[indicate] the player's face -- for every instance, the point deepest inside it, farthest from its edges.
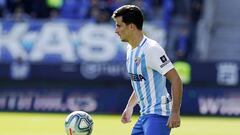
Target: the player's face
(122, 29)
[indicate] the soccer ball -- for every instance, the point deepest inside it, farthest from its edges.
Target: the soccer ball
(78, 123)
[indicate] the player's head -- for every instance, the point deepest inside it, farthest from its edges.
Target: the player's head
(130, 14)
(128, 18)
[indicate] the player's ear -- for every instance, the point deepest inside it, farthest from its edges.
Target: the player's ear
(132, 26)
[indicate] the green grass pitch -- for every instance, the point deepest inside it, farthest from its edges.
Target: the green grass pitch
(53, 124)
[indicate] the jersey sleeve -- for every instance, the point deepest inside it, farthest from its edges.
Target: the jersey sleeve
(158, 60)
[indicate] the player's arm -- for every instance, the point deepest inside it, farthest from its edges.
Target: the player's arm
(159, 61)
(127, 113)
(176, 90)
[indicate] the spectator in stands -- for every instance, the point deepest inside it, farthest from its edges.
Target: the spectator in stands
(2, 7)
(104, 15)
(196, 10)
(196, 13)
(39, 9)
(69, 8)
(182, 8)
(99, 12)
(19, 69)
(93, 10)
(145, 6)
(11, 5)
(54, 7)
(183, 44)
(167, 13)
(114, 4)
(157, 8)
(19, 14)
(75, 9)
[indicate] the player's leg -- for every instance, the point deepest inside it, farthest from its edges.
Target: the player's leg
(138, 128)
(156, 125)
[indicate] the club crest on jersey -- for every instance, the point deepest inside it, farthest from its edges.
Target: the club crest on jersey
(137, 60)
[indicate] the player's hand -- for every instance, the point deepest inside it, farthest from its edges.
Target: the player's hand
(174, 120)
(127, 115)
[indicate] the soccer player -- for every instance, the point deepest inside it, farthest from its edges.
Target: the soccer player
(148, 67)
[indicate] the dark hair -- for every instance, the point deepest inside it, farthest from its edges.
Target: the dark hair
(130, 14)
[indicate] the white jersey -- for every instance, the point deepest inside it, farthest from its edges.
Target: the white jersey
(146, 65)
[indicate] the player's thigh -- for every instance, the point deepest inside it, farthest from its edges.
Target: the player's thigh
(156, 125)
(138, 128)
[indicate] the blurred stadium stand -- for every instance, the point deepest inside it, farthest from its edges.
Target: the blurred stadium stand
(66, 52)
(219, 31)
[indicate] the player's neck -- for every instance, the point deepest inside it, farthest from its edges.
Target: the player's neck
(136, 39)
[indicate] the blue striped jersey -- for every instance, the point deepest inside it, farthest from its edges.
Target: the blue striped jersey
(146, 65)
